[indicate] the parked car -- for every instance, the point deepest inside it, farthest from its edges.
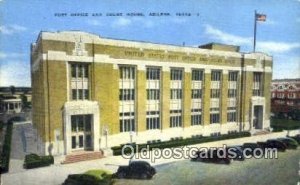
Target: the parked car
(250, 147)
(136, 170)
(237, 151)
(296, 137)
(212, 156)
(263, 145)
(274, 143)
(290, 142)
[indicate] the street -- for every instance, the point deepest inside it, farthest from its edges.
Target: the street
(283, 170)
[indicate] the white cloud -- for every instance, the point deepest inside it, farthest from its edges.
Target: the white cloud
(285, 66)
(94, 22)
(11, 29)
(5, 55)
(121, 22)
(226, 37)
(10, 76)
(264, 46)
(276, 47)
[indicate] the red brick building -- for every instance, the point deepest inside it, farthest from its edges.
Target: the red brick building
(285, 95)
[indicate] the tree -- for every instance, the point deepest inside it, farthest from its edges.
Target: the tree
(12, 89)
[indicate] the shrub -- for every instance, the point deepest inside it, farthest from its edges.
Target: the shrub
(35, 161)
(4, 162)
(92, 177)
(117, 150)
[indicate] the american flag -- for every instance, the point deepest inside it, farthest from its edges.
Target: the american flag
(260, 17)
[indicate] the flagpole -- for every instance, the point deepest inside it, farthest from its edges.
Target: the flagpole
(254, 40)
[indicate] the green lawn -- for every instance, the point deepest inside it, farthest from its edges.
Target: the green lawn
(285, 124)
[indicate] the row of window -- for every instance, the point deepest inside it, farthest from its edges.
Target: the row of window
(127, 125)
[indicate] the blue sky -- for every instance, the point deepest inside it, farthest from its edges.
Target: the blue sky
(222, 21)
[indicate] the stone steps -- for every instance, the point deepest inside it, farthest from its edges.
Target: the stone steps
(263, 132)
(84, 156)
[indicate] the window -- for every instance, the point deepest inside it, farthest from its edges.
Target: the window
(152, 123)
(80, 123)
(257, 84)
(127, 72)
(176, 93)
(214, 118)
(232, 76)
(153, 74)
(231, 117)
(126, 94)
(79, 70)
(216, 76)
(196, 93)
(215, 93)
(196, 119)
(153, 94)
(197, 75)
(175, 121)
(232, 93)
(127, 125)
(176, 74)
(79, 81)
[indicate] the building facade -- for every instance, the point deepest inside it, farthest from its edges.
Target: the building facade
(285, 95)
(91, 93)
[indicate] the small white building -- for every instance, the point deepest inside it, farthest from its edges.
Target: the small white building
(10, 105)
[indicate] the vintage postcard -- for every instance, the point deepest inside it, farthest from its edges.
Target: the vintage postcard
(149, 92)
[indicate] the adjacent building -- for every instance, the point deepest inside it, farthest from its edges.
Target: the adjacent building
(10, 104)
(91, 93)
(285, 95)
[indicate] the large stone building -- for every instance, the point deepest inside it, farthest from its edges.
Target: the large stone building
(285, 95)
(91, 92)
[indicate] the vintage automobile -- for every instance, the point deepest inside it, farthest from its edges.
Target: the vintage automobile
(296, 137)
(136, 170)
(237, 151)
(274, 143)
(212, 157)
(290, 142)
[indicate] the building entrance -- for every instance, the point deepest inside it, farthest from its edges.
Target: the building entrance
(258, 117)
(81, 136)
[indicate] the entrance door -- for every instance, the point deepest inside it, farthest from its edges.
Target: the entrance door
(81, 132)
(258, 117)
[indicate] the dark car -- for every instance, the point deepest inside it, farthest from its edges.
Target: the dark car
(250, 148)
(296, 137)
(235, 153)
(274, 143)
(290, 143)
(263, 145)
(136, 170)
(212, 156)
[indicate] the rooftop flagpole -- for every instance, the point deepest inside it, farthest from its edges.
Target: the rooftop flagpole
(254, 39)
(257, 17)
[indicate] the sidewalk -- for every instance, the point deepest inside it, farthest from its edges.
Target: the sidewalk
(23, 143)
